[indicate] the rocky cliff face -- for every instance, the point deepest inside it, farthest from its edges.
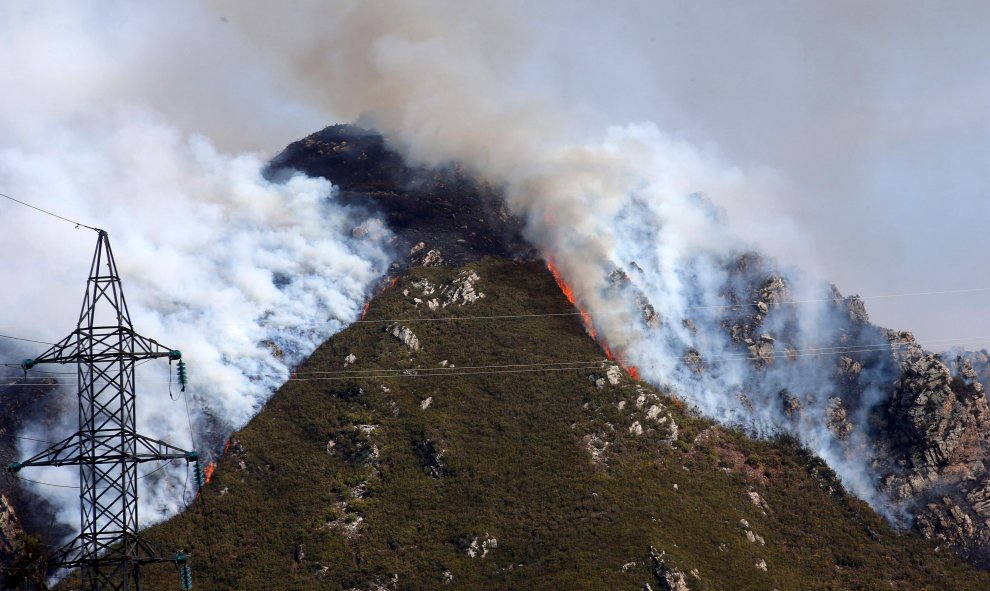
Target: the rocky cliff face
(936, 434)
(924, 418)
(927, 421)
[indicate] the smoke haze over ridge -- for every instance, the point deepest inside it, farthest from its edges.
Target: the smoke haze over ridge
(215, 259)
(810, 126)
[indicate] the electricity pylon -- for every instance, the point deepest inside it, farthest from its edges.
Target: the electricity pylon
(107, 447)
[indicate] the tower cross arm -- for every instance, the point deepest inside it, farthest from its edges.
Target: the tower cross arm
(104, 447)
(76, 554)
(100, 344)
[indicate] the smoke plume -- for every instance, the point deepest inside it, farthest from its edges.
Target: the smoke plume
(624, 215)
(136, 118)
(244, 274)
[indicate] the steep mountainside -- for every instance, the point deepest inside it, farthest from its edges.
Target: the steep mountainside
(506, 453)
(921, 418)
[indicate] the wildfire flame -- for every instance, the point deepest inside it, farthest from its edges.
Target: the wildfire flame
(208, 472)
(367, 304)
(589, 326)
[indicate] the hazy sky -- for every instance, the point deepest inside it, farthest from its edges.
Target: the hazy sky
(866, 125)
(874, 117)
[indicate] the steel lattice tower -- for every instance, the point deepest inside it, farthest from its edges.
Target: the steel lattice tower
(107, 447)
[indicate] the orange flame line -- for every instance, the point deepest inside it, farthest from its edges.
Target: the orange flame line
(208, 472)
(364, 311)
(589, 326)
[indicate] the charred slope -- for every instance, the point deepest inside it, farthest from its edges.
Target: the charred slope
(440, 215)
(406, 456)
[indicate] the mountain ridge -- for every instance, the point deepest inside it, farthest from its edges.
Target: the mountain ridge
(518, 480)
(931, 432)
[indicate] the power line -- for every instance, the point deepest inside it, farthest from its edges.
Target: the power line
(383, 373)
(147, 474)
(845, 299)
(46, 483)
(712, 307)
(27, 438)
(7, 336)
(54, 215)
(450, 318)
(427, 372)
(451, 367)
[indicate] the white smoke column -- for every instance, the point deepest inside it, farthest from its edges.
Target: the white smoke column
(215, 260)
(627, 204)
(453, 89)
(244, 274)
(443, 80)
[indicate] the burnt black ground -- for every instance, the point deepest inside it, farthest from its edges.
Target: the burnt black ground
(446, 208)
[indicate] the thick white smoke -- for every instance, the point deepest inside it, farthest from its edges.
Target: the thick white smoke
(118, 104)
(625, 201)
(625, 228)
(244, 274)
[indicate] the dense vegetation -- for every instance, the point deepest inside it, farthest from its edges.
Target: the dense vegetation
(351, 483)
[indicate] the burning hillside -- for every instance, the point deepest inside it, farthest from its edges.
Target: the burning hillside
(509, 453)
(666, 291)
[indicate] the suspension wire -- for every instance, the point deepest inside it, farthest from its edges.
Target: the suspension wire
(452, 318)
(158, 469)
(36, 370)
(810, 351)
(45, 483)
(7, 336)
(712, 307)
(54, 215)
(384, 373)
(845, 299)
(552, 314)
(426, 372)
(164, 465)
(453, 371)
(450, 367)
(27, 438)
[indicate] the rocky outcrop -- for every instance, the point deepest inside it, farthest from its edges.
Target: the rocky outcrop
(406, 336)
(479, 546)
(461, 291)
(667, 577)
(761, 351)
(430, 456)
(836, 420)
(10, 527)
(937, 425)
(943, 424)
